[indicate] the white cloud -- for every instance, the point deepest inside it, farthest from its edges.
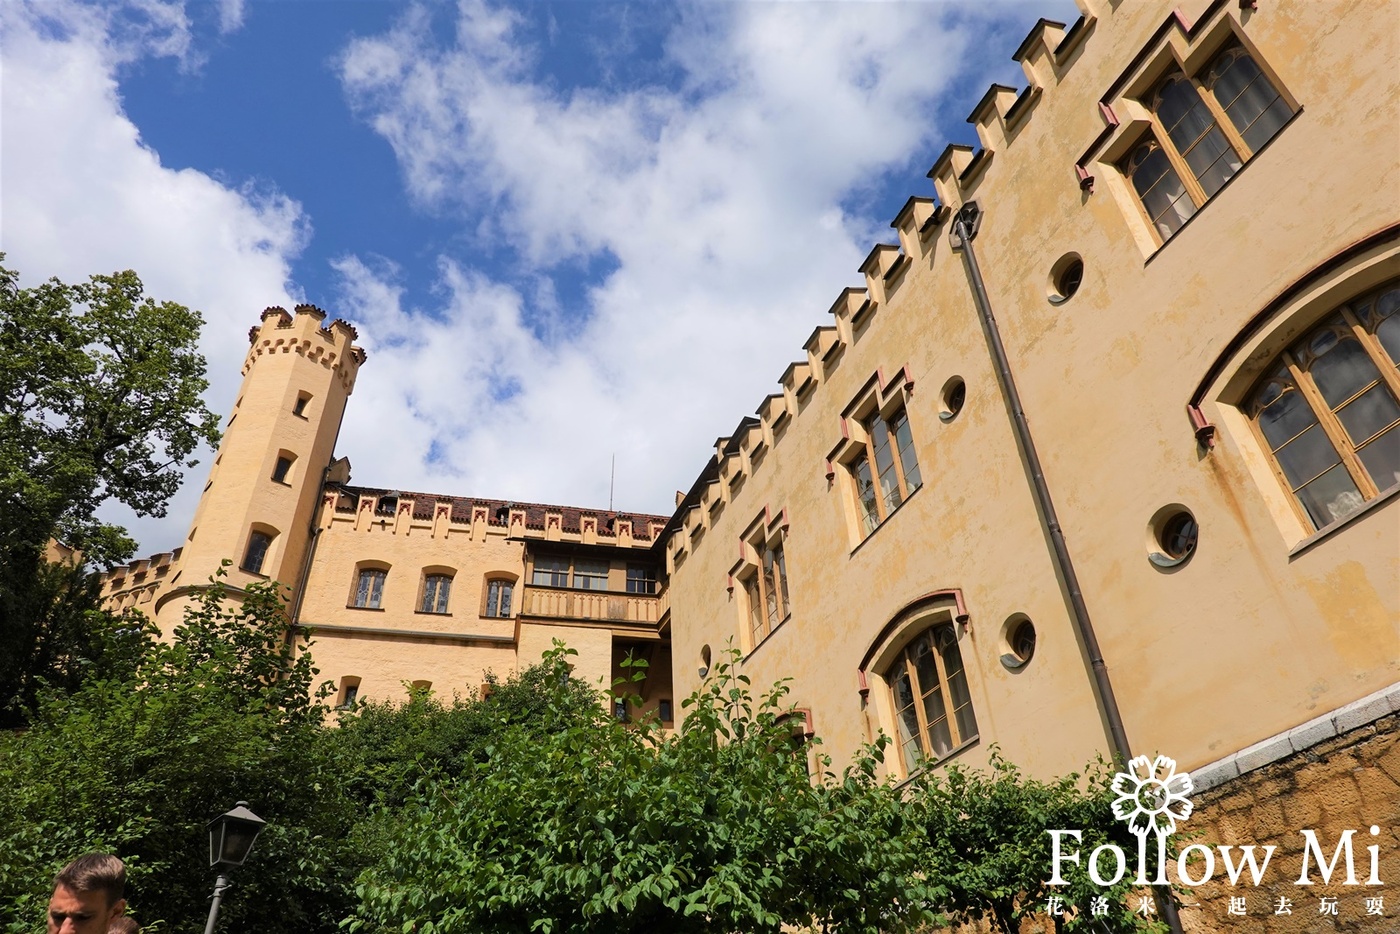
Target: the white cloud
(231, 13)
(719, 200)
(83, 195)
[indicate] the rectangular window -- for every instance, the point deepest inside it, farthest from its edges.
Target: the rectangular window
(1206, 127)
(775, 585)
(663, 709)
(299, 407)
(767, 591)
(865, 494)
(369, 589)
(641, 578)
(498, 594)
(253, 558)
(550, 572)
(590, 575)
(436, 588)
(758, 622)
(284, 466)
(889, 446)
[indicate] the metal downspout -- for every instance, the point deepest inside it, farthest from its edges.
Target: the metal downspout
(964, 229)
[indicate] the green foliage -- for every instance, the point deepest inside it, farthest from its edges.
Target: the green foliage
(393, 747)
(530, 810)
(99, 399)
(598, 826)
(65, 636)
(988, 853)
(136, 761)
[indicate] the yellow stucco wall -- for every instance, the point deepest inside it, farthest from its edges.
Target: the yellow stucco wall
(1246, 638)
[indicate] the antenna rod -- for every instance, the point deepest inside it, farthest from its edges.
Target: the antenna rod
(612, 478)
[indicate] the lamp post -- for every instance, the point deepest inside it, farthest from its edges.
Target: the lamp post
(231, 837)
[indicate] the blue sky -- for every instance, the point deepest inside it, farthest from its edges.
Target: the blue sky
(544, 218)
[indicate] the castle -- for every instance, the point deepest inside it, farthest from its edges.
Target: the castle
(1104, 453)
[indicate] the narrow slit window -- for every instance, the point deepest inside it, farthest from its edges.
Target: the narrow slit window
(282, 469)
(256, 554)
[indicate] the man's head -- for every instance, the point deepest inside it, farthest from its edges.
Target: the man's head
(87, 895)
(124, 925)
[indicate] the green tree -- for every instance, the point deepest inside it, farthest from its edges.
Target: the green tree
(135, 762)
(394, 747)
(99, 400)
(601, 826)
(988, 850)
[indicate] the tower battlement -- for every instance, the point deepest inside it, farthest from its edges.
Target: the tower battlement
(306, 334)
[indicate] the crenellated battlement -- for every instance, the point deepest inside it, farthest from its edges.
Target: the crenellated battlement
(306, 334)
(398, 512)
(140, 580)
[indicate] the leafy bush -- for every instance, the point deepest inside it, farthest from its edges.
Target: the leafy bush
(988, 847)
(603, 827)
(135, 762)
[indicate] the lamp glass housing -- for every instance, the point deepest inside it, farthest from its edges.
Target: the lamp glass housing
(231, 836)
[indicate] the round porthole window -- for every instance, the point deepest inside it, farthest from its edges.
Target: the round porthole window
(1018, 637)
(1065, 278)
(1172, 536)
(704, 660)
(953, 396)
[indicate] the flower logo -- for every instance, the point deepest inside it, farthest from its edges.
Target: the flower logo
(1152, 795)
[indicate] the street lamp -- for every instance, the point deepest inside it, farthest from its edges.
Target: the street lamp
(231, 837)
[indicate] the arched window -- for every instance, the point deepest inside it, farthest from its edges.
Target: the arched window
(499, 596)
(436, 589)
(1328, 410)
(877, 451)
(349, 691)
(1163, 197)
(767, 591)
(369, 585)
(255, 556)
(762, 574)
(282, 470)
(929, 695)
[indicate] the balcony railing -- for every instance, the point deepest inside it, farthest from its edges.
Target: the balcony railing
(600, 605)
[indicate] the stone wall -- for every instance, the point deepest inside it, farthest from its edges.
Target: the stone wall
(1350, 781)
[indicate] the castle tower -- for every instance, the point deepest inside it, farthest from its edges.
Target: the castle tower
(260, 499)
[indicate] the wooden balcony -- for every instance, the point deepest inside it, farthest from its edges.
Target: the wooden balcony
(603, 606)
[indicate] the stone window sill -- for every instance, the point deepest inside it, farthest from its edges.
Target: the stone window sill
(1327, 532)
(889, 517)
